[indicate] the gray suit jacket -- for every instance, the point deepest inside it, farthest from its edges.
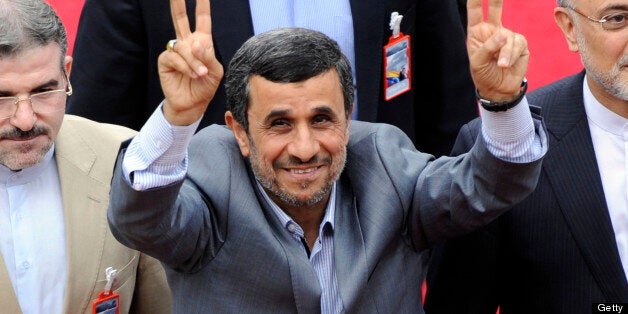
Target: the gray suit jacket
(85, 152)
(225, 250)
(553, 253)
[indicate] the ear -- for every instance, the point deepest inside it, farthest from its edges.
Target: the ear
(564, 21)
(347, 130)
(239, 132)
(68, 64)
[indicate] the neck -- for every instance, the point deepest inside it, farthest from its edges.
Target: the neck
(308, 217)
(612, 103)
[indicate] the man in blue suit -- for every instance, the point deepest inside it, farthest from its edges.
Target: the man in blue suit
(294, 207)
(565, 247)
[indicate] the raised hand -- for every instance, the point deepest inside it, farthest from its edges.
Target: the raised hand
(498, 57)
(189, 72)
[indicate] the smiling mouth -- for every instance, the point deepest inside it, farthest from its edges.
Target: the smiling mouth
(22, 139)
(303, 171)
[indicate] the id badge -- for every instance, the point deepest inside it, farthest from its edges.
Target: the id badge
(107, 304)
(397, 70)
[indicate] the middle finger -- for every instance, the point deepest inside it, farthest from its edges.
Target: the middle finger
(203, 17)
(495, 12)
(180, 18)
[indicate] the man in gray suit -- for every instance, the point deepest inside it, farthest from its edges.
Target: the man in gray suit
(296, 208)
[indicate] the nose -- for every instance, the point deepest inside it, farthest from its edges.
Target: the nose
(24, 117)
(304, 144)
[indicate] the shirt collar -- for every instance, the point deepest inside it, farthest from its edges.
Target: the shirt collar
(289, 224)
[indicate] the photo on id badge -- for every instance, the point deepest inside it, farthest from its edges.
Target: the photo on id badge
(109, 306)
(397, 65)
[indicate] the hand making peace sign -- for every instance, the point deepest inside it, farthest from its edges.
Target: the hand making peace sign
(498, 57)
(189, 71)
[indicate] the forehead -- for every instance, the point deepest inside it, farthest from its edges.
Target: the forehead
(321, 90)
(30, 67)
(599, 5)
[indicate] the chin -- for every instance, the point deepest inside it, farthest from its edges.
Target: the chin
(29, 158)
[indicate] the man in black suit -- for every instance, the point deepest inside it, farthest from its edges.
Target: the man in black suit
(116, 49)
(565, 247)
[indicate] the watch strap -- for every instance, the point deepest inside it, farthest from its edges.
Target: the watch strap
(502, 106)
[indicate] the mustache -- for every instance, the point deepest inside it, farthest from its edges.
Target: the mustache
(17, 134)
(294, 161)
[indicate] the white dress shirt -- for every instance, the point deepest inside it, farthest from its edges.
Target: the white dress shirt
(609, 133)
(32, 236)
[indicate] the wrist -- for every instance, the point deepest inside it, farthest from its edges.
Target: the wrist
(181, 117)
(503, 105)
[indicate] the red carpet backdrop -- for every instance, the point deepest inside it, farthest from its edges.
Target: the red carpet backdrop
(550, 59)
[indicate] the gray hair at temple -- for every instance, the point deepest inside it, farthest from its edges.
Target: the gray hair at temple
(26, 24)
(284, 55)
(564, 3)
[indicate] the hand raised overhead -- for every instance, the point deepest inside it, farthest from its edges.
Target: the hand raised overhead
(498, 57)
(189, 73)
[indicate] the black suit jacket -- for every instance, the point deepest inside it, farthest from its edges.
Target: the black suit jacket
(553, 253)
(118, 42)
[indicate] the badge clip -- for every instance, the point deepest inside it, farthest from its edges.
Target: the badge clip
(107, 302)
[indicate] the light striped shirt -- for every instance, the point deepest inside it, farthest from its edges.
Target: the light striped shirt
(322, 255)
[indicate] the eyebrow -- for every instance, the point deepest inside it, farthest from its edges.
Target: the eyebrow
(619, 7)
(283, 112)
(324, 109)
(50, 83)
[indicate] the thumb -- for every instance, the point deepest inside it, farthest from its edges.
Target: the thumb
(487, 51)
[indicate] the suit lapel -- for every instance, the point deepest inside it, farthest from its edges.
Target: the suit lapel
(228, 34)
(84, 214)
(305, 284)
(582, 200)
(8, 299)
(349, 251)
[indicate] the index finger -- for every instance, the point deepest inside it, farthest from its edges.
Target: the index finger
(203, 17)
(180, 18)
